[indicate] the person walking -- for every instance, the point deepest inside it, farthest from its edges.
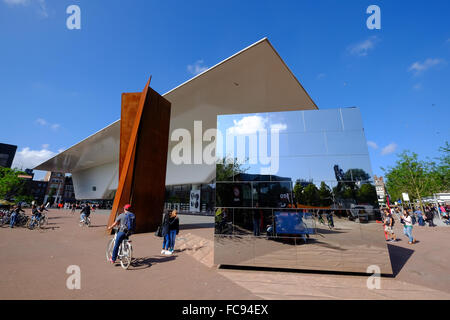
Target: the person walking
(388, 227)
(165, 233)
(174, 229)
(420, 220)
(429, 217)
(408, 226)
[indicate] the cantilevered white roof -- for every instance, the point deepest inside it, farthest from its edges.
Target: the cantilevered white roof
(255, 79)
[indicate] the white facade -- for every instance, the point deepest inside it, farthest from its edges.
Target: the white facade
(253, 80)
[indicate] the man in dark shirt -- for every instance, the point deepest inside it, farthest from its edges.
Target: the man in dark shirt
(15, 213)
(85, 212)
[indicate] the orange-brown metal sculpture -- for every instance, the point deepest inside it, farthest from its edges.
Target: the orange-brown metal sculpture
(144, 137)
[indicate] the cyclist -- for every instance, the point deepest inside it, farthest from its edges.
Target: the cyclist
(330, 219)
(15, 214)
(122, 233)
(36, 213)
(85, 212)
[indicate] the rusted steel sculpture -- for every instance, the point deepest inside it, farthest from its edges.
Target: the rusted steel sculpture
(144, 137)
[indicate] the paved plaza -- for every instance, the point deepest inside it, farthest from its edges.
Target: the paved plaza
(34, 263)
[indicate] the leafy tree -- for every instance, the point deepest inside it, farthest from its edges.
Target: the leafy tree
(228, 168)
(443, 168)
(367, 193)
(412, 176)
(356, 175)
(10, 183)
(325, 194)
(311, 195)
(298, 192)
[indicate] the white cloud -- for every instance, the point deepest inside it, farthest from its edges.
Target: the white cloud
(45, 146)
(253, 124)
(390, 148)
(321, 76)
(197, 67)
(417, 86)
(41, 5)
(41, 121)
(372, 144)
(16, 2)
(44, 123)
(28, 159)
(278, 126)
(419, 67)
(248, 125)
(362, 48)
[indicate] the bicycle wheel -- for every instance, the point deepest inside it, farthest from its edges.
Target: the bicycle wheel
(42, 222)
(109, 249)
(127, 253)
(31, 224)
(24, 221)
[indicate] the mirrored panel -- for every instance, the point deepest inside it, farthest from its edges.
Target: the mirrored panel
(306, 201)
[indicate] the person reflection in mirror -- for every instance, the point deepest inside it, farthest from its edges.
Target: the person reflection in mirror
(257, 217)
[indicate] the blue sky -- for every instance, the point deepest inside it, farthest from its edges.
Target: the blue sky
(58, 86)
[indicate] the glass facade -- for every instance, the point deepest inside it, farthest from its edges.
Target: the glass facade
(295, 190)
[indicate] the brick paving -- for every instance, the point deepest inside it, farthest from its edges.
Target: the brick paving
(34, 262)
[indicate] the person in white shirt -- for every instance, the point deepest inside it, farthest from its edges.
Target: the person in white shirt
(407, 226)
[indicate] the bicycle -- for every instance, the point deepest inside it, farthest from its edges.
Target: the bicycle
(34, 222)
(125, 254)
(85, 222)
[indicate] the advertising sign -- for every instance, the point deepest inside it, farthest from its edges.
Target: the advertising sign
(405, 196)
(194, 203)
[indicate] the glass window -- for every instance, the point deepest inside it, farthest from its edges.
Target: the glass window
(323, 120)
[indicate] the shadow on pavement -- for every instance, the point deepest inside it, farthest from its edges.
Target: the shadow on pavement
(399, 256)
(196, 225)
(143, 263)
(99, 226)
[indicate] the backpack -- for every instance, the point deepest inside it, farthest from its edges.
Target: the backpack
(130, 222)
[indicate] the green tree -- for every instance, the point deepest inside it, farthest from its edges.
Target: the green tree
(442, 169)
(228, 168)
(10, 183)
(412, 176)
(325, 194)
(298, 192)
(367, 193)
(311, 195)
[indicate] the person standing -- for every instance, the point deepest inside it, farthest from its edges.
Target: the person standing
(256, 220)
(174, 229)
(408, 226)
(430, 216)
(419, 214)
(165, 233)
